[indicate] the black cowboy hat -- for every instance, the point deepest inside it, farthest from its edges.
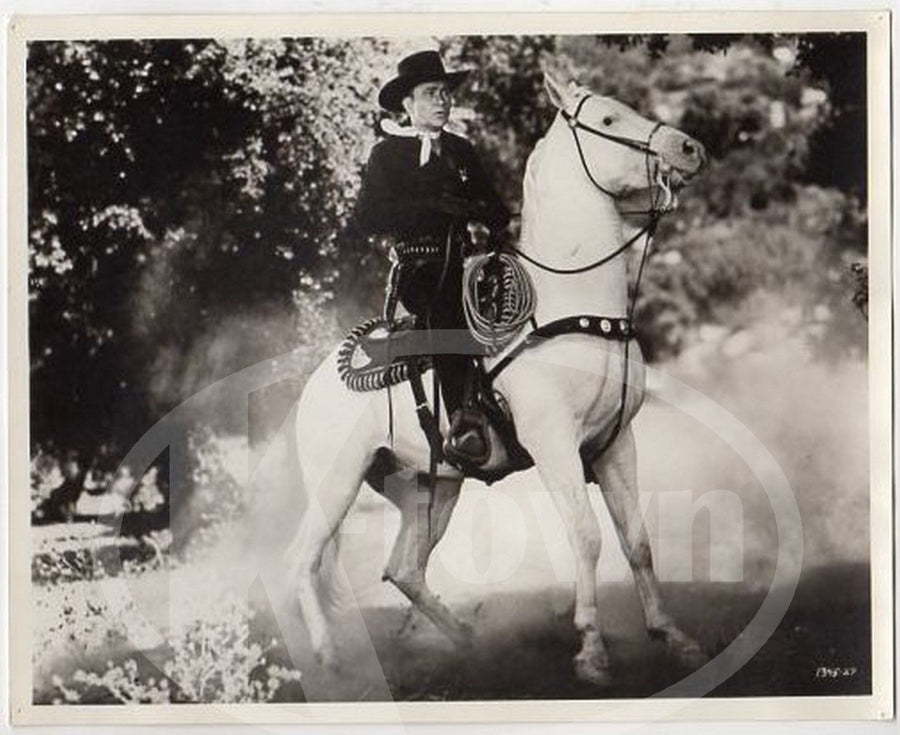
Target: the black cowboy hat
(424, 66)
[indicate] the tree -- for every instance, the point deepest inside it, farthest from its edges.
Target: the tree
(173, 185)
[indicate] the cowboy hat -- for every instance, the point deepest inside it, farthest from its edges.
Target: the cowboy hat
(424, 66)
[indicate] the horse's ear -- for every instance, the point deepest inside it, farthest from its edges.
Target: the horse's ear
(558, 92)
(575, 89)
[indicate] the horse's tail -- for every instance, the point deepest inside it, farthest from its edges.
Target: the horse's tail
(334, 588)
(335, 591)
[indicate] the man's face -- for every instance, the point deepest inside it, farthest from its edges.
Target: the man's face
(428, 105)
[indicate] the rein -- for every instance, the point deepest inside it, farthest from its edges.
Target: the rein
(590, 266)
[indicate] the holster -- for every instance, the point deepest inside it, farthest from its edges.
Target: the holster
(406, 257)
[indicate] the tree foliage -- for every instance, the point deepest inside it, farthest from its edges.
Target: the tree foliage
(162, 175)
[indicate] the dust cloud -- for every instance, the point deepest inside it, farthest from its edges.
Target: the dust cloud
(707, 514)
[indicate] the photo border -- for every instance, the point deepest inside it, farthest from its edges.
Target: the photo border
(879, 705)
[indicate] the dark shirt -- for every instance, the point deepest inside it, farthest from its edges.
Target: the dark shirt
(409, 203)
(399, 197)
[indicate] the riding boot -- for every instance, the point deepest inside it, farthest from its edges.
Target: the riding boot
(468, 441)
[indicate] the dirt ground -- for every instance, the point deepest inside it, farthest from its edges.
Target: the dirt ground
(525, 641)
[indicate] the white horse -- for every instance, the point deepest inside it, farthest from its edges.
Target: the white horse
(564, 394)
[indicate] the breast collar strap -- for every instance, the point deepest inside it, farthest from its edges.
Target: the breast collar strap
(613, 328)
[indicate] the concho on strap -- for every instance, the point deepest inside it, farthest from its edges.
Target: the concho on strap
(362, 359)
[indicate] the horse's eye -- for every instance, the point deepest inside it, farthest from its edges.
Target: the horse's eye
(607, 120)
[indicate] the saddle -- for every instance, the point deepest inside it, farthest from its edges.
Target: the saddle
(378, 354)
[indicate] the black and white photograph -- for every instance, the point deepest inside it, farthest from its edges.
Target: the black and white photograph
(513, 371)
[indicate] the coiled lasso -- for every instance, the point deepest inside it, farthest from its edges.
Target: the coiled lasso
(498, 298)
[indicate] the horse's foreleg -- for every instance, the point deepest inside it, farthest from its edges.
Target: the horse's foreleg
(557, 460)
(616, 471)
(416, 539)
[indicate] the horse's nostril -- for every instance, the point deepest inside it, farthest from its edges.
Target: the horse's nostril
(689, 148)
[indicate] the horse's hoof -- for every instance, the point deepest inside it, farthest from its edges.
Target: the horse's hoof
(327, 658)
(589, 670)
(688, 652)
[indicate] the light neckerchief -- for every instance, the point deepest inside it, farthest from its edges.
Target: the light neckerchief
(427, 139)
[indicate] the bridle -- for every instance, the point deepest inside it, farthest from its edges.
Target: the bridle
(641, 146)
(656, 207)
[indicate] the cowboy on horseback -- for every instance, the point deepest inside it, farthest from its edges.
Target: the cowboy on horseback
(422, 187)
(571, 383)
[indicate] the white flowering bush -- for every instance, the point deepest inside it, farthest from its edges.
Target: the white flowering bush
(214, 661)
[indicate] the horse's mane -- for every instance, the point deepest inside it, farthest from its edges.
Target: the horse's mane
(529, 196)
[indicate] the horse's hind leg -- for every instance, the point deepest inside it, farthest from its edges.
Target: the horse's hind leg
(416, 539)
(331, 493)
(616, 472)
